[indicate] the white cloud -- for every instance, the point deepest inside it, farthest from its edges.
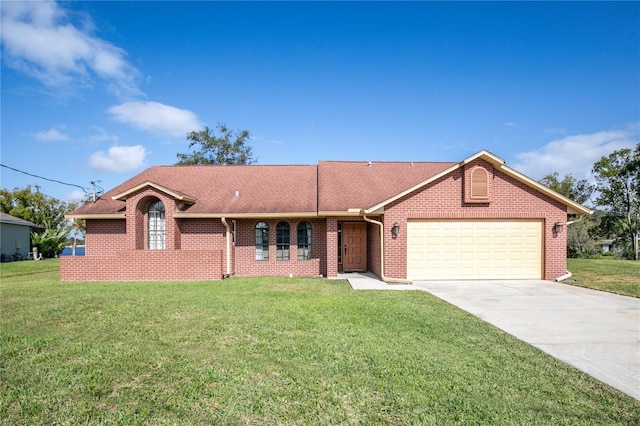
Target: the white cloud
(75, 196)
(510, 124)
(51, 135)
(119, 159)
(40, 39)
(575, 154)
(101, 135)
(156, 118)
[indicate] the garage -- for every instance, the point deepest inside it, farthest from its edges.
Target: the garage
(474, 249)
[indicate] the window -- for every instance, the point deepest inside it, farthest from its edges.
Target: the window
(479, 183)
(262, 241)
(283, 231)
(304, 241)
(155, 228)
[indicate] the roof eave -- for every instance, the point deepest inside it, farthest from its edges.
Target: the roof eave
(572, 206)
(335, 213)
(380, 206)
(244, 215)
(487, 156)
(177, 195)
(96, 216)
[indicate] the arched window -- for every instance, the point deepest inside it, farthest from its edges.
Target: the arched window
(479, 183)
(156, 226)
(283, 237)
(304, 241)
(262, 241)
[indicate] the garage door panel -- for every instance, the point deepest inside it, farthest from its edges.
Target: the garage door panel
(466, 255)
(469, 249)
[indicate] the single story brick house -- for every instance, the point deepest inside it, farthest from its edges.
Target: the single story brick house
(403, 221)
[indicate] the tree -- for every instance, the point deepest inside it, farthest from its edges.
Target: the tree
(36, 207)
(230, 147)
(577, 190)
(582, 238)
(43, 210)
(51, 242)
(618, 183)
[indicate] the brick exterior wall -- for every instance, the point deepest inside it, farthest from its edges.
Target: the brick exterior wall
(331, 247)
(104, 237)
(137, 205)
(444, 199)
(373, 246)
(245, 251)
(144, 265)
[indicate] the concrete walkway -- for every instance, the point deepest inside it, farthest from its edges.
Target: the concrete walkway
(594, 331)
(369, 281)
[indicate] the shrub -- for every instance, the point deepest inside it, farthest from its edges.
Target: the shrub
(51, 242)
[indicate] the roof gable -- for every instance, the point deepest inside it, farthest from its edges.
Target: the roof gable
(177, 195)
(499, 163)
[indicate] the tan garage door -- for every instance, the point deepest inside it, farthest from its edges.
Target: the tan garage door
(474, 249)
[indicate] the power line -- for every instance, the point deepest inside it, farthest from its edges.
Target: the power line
(50, 180)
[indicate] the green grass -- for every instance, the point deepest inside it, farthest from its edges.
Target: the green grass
(270, 351)
(607, 274)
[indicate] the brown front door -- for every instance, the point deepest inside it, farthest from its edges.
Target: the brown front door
(354, 246)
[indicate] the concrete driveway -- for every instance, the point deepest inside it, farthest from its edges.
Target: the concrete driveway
(596, 332)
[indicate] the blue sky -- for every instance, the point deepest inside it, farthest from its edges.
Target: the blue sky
(101, 90)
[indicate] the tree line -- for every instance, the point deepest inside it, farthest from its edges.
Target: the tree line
(615, 199)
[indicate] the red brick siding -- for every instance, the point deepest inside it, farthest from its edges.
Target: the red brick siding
(331, 247)
(373, 247)
(247, 265)
(443, 199)
(201, 234)
(137, 224)
(104, 236)
(144, 265)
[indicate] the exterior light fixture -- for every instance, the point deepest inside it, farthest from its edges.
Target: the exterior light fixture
(557, 228)
(395, 229)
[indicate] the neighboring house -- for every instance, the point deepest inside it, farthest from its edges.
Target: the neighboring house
(15, 237)
(473, 219)
(607, 245)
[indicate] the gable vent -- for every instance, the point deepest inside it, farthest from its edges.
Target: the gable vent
(479, 183)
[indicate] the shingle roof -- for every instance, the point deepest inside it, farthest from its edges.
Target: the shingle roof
(344, 185)
(331, 187)
(7, 218)
(273, 189)
(261, 189)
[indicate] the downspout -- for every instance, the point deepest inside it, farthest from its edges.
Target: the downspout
(568, 274)
(382, 276)
(226, 225)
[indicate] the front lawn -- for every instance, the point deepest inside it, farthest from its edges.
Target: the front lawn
(271, 351)
(607, 274)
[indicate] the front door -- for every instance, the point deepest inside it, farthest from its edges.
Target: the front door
(354, 246)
